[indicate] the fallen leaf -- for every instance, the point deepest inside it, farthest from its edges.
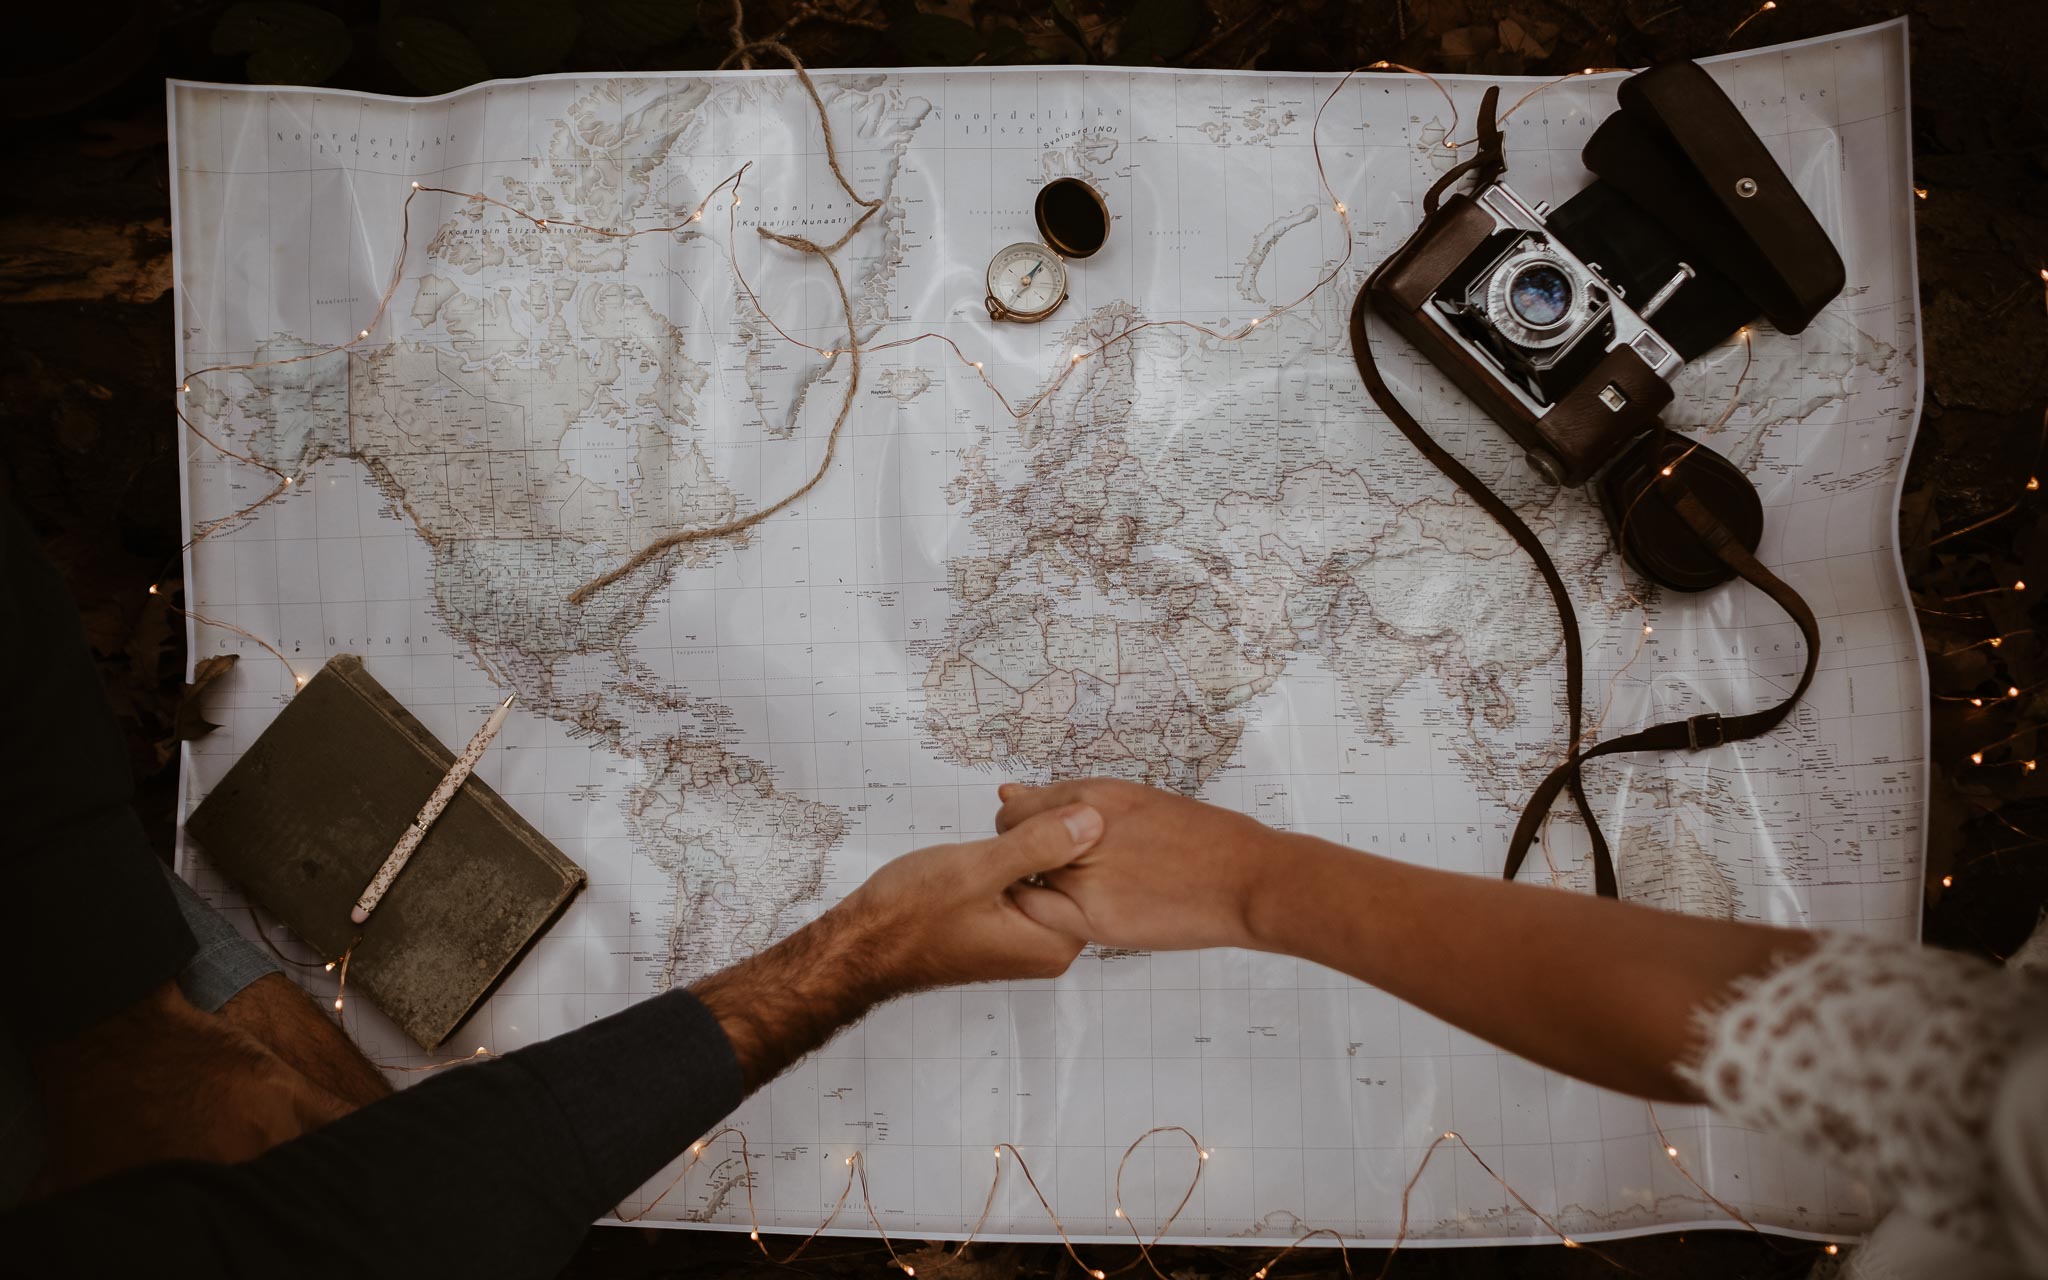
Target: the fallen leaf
(189, 725)
(1467, 42)
(1530, 39)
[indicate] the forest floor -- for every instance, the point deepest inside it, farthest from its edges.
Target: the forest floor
(88, 445)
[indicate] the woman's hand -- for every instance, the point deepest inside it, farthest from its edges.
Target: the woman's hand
(1168, 874)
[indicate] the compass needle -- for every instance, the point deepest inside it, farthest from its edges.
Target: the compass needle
(1027, 281)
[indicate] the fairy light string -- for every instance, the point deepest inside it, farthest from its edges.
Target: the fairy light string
(1006, 1155)
(870, 206)
(852, 349)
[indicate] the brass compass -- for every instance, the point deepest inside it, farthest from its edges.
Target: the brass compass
(1027, 281)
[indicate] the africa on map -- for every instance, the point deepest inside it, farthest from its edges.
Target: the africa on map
(1201, 562)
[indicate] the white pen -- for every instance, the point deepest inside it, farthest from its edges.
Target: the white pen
(410, 841)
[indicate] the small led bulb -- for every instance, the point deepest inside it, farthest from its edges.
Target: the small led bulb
(1976, 757)
(1976, 702)
(364, 334)
(1647, 628)
(2012, 691)
(1671, 1151)
(415, 186)
(337, 1004)
(1946, 881)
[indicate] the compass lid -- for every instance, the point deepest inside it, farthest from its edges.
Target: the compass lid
(1072, 217)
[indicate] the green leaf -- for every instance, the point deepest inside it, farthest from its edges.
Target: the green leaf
(629, 26)
(1158, 30)
(434, 56)
(518, 37)
(287, 42)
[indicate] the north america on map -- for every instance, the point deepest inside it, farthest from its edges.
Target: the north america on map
(1195, 555)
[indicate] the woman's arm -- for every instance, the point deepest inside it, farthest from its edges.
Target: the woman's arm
(1601, 990)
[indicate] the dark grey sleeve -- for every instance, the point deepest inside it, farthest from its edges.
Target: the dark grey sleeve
(91, 926)
(493, 1169)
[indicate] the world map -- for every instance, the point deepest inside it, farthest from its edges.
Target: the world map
(1196, 557)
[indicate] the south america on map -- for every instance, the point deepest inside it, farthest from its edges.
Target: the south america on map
(458, 371)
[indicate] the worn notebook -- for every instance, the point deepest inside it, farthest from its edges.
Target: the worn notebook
(309, 812)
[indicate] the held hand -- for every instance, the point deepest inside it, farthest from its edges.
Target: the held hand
(1169, 873)
(930, 918)
(947, 914)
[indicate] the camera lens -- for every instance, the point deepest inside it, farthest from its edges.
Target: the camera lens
(1540, 295)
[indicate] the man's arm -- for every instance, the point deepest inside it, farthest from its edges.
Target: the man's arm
(497, 1168)
(92, 927)
(1602, 990)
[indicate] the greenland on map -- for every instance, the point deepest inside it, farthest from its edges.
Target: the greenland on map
(1204, 563)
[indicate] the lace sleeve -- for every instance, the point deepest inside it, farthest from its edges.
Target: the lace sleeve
(1883, 1058)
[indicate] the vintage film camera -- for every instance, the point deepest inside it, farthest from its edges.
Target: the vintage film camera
(1566, 325)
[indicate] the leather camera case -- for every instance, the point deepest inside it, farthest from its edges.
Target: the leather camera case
(1576, 436)
(1681, 155)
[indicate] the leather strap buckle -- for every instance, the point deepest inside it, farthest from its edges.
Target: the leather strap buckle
(1705, 730)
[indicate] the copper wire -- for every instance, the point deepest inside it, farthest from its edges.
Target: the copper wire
(856, 1176)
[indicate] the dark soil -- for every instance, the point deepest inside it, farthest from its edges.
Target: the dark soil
(88, 443)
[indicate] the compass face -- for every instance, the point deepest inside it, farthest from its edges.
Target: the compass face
(1028, 280)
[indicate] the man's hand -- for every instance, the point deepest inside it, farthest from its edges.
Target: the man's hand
(948, 915)
(162, 1080)
(1168, 874)
(279, 1015)
(935, 917)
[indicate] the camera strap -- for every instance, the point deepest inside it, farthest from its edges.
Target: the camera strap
(1696, 733)
(1503, 515)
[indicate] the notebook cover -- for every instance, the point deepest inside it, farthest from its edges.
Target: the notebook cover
(307, 815)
